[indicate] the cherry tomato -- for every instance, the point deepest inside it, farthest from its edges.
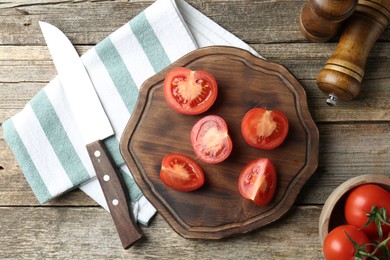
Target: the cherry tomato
(264, 129)
(190, 92)
(360, 202)
(210, 139)
(338, 246)
(181, 173)
(257, 181)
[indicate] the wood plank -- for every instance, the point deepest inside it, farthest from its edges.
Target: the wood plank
(14, 96)
(353, 136)
(302, 59)
(346, 151)
(371, 105)
(264, 21)
(305, 60)
(84, 233)
(85, 22)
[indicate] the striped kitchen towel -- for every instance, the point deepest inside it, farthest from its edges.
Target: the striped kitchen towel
(44, 137)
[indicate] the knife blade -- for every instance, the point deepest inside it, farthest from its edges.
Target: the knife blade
(94, 127)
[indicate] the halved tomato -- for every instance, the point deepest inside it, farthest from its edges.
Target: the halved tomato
(257, 181)
(181, 173)
(210, 139)
(190, 92)
(264, 129)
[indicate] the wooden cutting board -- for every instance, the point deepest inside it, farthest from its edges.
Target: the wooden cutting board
(217, 210)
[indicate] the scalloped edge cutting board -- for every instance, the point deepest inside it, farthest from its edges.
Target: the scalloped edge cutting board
(217, 210)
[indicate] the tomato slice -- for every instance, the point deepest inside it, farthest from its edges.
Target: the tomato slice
(181, 173)
(264, 129)
(210, 139)
(190, 92)
(257, 181)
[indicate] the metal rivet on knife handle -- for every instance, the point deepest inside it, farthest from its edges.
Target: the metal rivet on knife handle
(97, 153)
(115, 194)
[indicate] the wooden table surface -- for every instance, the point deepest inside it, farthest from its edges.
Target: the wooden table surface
(354, 135)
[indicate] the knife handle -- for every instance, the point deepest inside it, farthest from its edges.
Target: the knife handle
(115, 193)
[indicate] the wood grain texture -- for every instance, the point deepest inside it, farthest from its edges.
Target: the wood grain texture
(303, 60)
(354, 136)
(88, 233)
(88, 22)
(338, 161)
(244, 82)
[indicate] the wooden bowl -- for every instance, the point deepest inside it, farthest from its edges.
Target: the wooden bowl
(332, 214)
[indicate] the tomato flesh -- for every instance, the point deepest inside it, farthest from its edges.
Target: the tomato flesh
(258, 181)
(181, 173)
(190, 92)
(360, 201)
(338, 246)
(264, 129)
(210, 139)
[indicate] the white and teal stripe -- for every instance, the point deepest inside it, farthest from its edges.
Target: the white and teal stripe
(44, 136)
(27, 165)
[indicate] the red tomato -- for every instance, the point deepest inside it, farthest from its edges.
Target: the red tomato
(338, 246)
(210, 139)
(181, 173)
(387, 247)
(264, 129)
(388, 243)
(257, 181)
(383, 247)
(360, 201)
(190, 92)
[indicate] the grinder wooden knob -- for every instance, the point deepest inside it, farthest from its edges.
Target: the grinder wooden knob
(320, 20)
(343, 73)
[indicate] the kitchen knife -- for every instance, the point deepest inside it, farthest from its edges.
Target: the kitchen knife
(94, 126)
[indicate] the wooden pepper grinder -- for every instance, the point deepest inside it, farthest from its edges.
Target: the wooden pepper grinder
(343, 73)
(320, 20)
